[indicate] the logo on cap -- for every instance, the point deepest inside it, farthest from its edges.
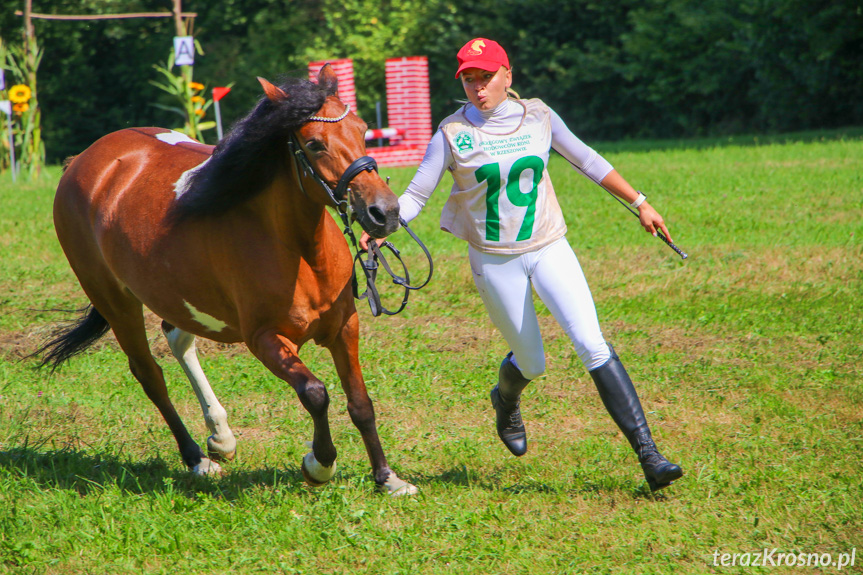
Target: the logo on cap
(476, 48)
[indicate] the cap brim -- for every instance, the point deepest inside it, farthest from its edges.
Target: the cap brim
(481, 64)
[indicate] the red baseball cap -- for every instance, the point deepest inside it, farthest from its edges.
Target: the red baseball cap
(481, 53)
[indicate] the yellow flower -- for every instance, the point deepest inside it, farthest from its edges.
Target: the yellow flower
(196, 86)
(199, 112)
(19, 94)
(198, 99)
(20, 107)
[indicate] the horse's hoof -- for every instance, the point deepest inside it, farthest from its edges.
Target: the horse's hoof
(221, 450)
(225, 457)
(396, 487)
(207, 467)
(314, 473)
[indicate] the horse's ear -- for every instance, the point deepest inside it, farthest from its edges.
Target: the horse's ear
(328, 80)
(274, 93)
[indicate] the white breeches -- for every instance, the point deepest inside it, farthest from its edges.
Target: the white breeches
(504, 283)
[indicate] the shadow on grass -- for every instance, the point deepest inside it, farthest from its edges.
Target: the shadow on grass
(89, 474)
(86, 473)
(578, 485)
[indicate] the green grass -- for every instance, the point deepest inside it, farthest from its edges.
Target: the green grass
(747, 357)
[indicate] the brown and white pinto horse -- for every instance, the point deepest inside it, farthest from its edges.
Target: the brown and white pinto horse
(231, 244)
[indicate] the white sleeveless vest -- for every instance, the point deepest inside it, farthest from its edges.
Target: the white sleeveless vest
(502, 200)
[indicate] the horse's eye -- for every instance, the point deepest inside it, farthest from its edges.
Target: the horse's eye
(315, 146)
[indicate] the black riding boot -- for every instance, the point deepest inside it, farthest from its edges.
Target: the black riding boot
(505, 398)
(621, 400)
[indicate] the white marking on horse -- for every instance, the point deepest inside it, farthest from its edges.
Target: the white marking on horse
(181, 186)
(396, 487)
(317, 471)
(175, 138)
(207, 467)
(222, 440)
(205, 320)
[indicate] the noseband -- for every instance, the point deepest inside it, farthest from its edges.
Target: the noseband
(340, 199)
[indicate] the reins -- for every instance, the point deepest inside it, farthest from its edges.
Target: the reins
(340, 200)
(370, 269)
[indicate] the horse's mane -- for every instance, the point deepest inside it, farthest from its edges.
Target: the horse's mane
(245, 162)
(68, 162)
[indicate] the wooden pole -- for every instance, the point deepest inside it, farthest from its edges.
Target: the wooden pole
(12, 145)
(178, 18)
(28, 23)
(30, 45)
(106, 16)
(32, 139)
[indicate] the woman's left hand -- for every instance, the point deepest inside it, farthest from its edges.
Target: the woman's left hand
(652, 221)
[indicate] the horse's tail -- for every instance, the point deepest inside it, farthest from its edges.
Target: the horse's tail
(73, 338)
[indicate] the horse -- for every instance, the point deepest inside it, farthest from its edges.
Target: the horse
(232, 243)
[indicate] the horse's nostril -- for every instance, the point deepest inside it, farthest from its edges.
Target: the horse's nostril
(377, 215)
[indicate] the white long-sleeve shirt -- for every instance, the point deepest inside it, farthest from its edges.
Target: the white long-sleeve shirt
(503, 119)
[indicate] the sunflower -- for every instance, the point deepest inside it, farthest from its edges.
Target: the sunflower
(20, 107)
(196, 86)
(198, 99)
(19, 94)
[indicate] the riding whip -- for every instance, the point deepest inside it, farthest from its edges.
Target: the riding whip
(659, 234)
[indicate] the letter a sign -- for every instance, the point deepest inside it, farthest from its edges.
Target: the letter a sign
(184, 51)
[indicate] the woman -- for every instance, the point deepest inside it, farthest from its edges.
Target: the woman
(503, 204)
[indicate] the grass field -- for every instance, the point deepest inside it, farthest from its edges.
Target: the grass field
(747, 357)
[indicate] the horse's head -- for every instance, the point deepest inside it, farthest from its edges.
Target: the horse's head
(333, 143)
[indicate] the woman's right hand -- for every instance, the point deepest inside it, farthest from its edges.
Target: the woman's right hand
(364, 241)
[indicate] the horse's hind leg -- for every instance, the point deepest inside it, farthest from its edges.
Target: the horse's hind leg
(126, 317)
(221, 445)
(345, 352)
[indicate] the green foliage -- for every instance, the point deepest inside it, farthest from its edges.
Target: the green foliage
(666, 68)
(369, 32)
(186, 93)
(23, 60)
(612, 70)
(93, 78)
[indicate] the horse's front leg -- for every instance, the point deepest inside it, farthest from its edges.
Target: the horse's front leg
(345, 351)
(279, 354)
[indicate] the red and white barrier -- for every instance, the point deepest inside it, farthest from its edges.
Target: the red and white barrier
(408, 108)
(384, 133)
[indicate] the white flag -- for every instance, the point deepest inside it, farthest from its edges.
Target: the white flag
(6, 107)
(184, 51)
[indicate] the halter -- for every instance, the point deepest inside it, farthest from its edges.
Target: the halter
(340, 200)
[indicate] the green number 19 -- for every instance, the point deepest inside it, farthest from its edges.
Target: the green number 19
(491, 174)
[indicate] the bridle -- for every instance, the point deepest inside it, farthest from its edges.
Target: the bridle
(339, 197)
